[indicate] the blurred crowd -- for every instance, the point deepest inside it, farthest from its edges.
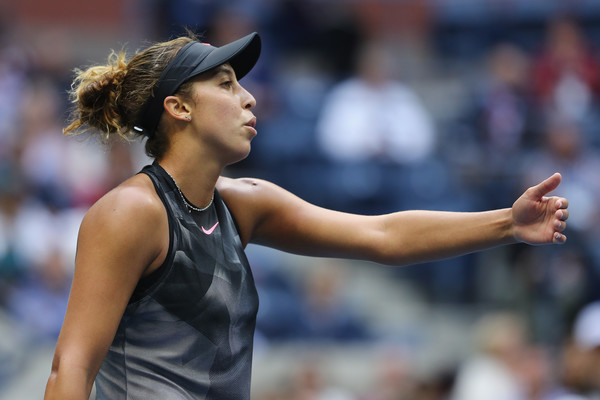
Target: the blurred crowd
(366, 106)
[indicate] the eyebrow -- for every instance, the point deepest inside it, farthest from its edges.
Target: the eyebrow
(223, 69)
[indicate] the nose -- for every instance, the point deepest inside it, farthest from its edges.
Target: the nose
(248, 100)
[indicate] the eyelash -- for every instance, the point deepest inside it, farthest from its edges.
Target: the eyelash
(227, 84)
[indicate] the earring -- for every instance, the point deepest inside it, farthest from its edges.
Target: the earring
(188, 117)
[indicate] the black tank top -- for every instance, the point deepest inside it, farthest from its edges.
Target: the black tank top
(188, 329)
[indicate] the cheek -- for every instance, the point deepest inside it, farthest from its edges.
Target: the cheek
(221, 111)
(216, 111)
(217, 122)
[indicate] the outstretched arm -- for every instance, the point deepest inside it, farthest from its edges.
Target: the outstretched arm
(272, 216)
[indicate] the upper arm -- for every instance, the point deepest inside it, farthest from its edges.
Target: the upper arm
(121, 237)
(272, 216)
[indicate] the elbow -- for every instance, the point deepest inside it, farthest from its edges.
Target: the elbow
(68, 382)
(51, 391)
(396, 252)
(390, 255)
(385, 246)
(50, 386)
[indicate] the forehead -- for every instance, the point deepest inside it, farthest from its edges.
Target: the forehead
(225, 69)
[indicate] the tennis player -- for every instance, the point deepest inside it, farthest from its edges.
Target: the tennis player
(163, 303)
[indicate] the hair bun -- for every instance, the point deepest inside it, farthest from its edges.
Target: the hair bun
(109, 99)
(105, 87)
(96, 93)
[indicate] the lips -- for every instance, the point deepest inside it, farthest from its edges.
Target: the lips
(251, 123)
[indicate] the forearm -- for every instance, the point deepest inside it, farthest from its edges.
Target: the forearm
(411, 237)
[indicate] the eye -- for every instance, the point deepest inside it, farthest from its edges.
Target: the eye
(227, 84)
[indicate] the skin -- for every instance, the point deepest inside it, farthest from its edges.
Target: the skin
(124, 236)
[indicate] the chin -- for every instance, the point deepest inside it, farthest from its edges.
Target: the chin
(240, 157)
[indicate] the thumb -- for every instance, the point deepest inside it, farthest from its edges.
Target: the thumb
(546, 186)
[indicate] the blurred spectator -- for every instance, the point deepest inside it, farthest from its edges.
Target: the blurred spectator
(374, 116)
(493, 372)
(38, 302)
(579, 376)
(316, 308)
(566, 75)
(11, 265)
(280, 313)
(551, 286)
(306, 380)
(43, 150)
(14, 65)
(370, 125)
(503, 122)
(505, 113)
(394, 379)
(63, 172)
(438, 387)
(328, 311)
(308, 383)
(52, 59)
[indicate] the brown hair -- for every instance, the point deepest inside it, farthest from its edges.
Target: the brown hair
(108, 99)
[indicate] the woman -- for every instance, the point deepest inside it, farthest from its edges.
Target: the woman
(163, 304)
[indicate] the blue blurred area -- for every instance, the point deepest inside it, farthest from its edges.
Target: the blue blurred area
(367, 106)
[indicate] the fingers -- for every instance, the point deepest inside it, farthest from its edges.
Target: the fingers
(560, 224)
(559, 238)
(546, 186)
(562, 215)
(561, 203)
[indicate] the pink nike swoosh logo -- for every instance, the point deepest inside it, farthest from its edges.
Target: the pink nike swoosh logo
(209, 231)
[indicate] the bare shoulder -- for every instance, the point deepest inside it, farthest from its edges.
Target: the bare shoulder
(250, 200)
(129, 219)
(259, 194)
(239, 186)
(134, 199)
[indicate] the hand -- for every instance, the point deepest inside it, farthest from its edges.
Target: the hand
(538, 219)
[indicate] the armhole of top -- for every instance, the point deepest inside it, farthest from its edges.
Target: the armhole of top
(147, 284)
(235, 223)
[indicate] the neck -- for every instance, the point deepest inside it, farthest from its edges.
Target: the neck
(196, 179)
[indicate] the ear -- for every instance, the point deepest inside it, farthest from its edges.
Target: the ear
(177, 108)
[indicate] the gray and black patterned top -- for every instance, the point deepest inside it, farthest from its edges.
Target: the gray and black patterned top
(187, 332)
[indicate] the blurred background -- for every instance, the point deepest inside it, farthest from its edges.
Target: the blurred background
(365, 106)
